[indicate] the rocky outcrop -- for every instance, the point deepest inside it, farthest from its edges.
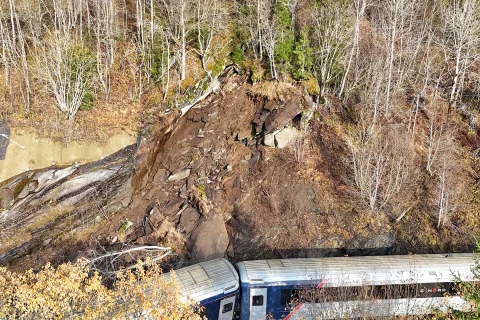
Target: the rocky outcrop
(42, 205)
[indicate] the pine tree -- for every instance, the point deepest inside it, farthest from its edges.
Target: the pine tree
(303, 55)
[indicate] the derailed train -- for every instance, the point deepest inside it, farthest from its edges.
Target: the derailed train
(327, 288)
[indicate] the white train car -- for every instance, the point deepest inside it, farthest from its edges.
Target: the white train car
(352, 287)
(214, 285)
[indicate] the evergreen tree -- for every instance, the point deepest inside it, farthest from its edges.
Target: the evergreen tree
(303, 55)
(285, 45)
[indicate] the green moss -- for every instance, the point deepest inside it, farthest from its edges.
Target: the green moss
(125, 226)
(217, 68)
(201, 188)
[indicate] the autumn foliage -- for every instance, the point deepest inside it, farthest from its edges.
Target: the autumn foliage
(70, 292)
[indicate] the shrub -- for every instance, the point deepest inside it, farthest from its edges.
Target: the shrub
(68, 292)
(237, 55)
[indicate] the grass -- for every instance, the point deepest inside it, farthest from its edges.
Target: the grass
(273, 90)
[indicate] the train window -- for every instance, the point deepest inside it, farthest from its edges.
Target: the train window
(285, 296)
(397, 291)
(288, 296)
(257, 301)
(227, 307)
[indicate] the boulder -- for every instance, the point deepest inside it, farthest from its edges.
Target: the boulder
(188, 220)
(210, 239)
(269, 140)
(283, 115)
(286, 136)
(179, 175)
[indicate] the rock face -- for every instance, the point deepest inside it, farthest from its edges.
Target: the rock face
(45, 204)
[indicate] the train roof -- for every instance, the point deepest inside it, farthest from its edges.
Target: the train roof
(355, 271)
(206, 280)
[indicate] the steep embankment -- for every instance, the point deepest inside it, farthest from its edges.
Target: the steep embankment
(253, 171)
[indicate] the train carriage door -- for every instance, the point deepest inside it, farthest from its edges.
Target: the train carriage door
(258, 303)
(226, 308)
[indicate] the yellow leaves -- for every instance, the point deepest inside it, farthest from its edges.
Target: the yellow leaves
(67, 292)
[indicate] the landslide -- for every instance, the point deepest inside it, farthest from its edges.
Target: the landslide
(253, 171)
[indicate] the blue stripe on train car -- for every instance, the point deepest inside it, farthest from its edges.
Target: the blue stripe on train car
(211, 306)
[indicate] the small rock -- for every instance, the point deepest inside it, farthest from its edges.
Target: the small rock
(245, 134)
(206, 150)
(256, 157)
(229, 167)
(148, 227)
(160, 175)
(28, 189)
(191, 181)
(197, 117)
(180, 175)
(173, 206)
(155, 216)
(202, 173)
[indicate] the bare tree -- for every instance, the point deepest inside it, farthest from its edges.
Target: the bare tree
(449, 186)
(179, 15)
(105, 33)
(382, 163)
(269, 35)
(436, 136)
(394, 20)
(256, 20)
(64, 70)
(359, 8)
(330, 36)
(14, 44)
(211, 16)
(460, 37)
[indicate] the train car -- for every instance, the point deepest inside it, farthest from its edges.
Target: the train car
(351, 287)
(213, 284)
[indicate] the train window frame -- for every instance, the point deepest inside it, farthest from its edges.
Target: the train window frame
(227, 307)
(257, 301)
